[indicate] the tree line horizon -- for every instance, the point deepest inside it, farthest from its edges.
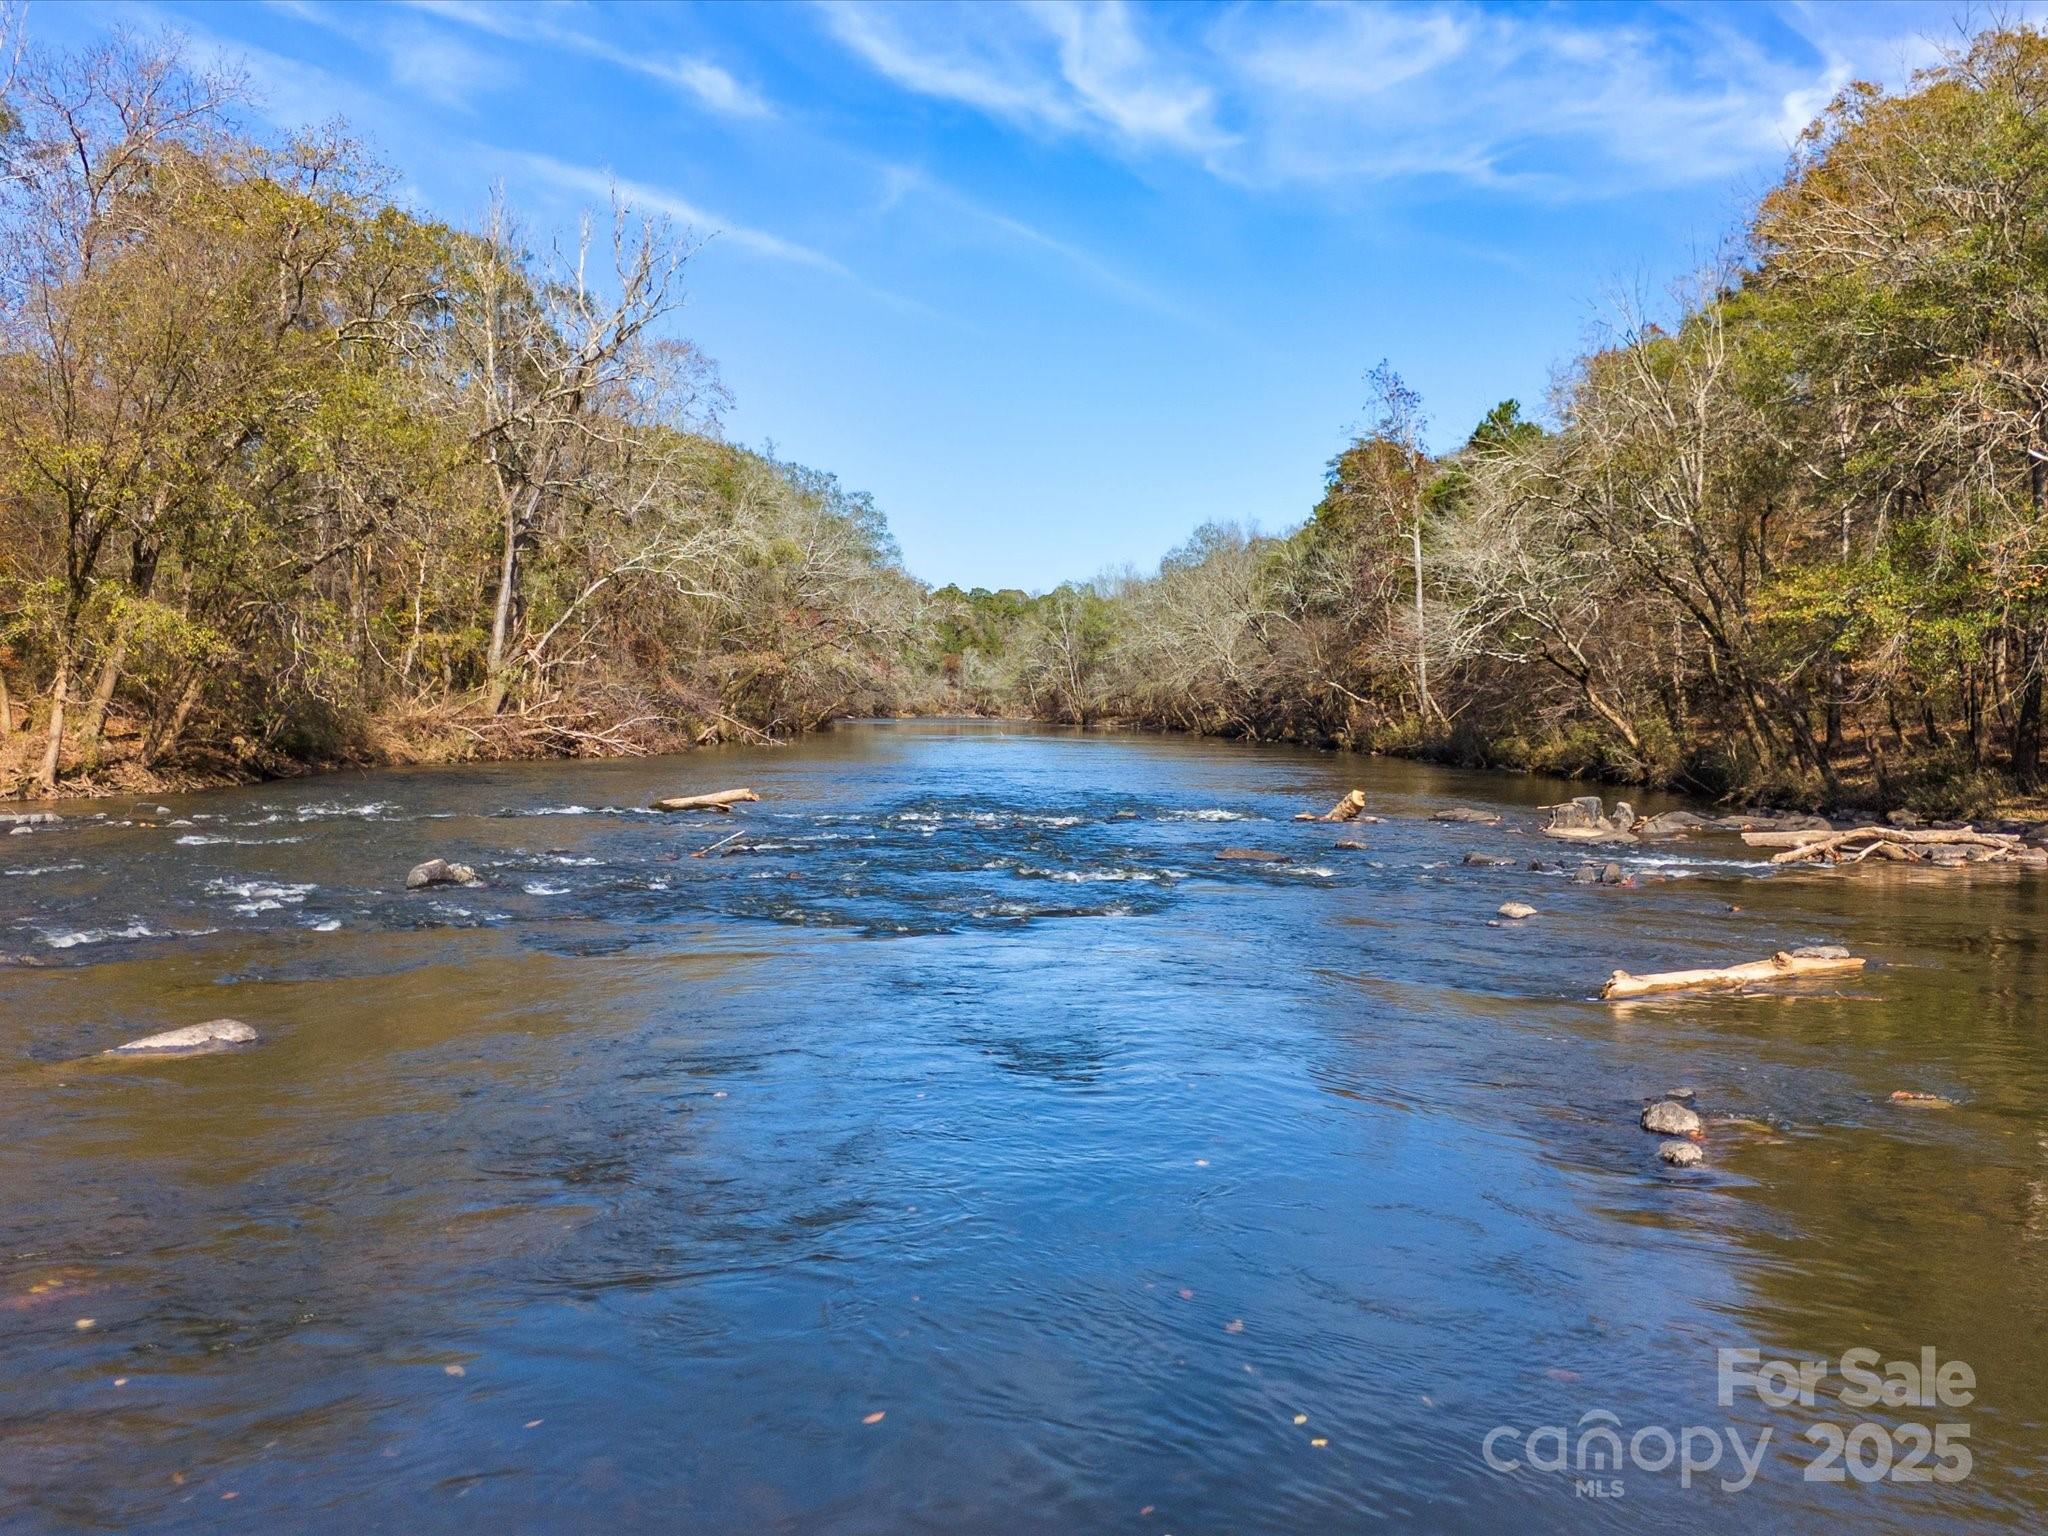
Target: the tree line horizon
(292, 476)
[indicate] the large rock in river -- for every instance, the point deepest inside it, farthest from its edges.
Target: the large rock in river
(439, 872)
(213, 1035)
(1668, 1118)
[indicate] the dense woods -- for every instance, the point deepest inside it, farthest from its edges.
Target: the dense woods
(290, 474)
(1783, 537)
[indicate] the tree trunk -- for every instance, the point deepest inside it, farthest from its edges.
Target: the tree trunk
(1780, 967)
(161, 741)
(506, 615)
(718, 800)
(60, 697)
(103, 694)
(2026, 730)
(1421, 638)
(6, 709)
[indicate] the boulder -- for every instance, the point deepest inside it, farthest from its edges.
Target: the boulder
(1680, 1154)
(213, 1035)
(1904, 819)
(1821, 952)
(1348, 845)
(1586, 874)
(1792, 821)
(1669, 824)
(439, 872)
(1668, 1117)
(29, 818)
(1612, 874)
(1516, 909)
(1584, 820)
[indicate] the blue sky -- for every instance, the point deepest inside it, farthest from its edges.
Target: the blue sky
(1058, 283)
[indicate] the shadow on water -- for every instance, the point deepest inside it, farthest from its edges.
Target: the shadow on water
(968, 1088)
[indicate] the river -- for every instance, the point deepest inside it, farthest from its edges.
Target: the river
(975, 1152)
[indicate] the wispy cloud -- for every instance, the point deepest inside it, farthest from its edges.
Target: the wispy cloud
(902, 181)
(425, 62)
(1058, 66)
(709, 84)
(1550, 102)
(597, 184)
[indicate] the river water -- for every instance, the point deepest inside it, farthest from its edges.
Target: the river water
(973, 1151)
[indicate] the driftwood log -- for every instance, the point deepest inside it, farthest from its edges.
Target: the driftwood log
(1347, 809)
(1780, 967)
(1900, 844)
(719, 800)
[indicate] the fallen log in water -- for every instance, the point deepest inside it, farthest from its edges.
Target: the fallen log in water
(1900, 844)
(1780, 967)
(719, 800)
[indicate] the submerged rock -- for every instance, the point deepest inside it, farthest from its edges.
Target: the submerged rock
(1516, 909)
(29, 818)
(1349, 845)
(1821, 952)
(1922, 1100)
(213, 1035)
(1486, 861)
(1667, 1117)
(1252, 855)
(1680, 1154)
(1465, 813)
(439, 872)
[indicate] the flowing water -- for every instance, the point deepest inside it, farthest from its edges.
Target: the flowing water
(966, 1148)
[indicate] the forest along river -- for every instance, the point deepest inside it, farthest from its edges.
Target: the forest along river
(977, 1153)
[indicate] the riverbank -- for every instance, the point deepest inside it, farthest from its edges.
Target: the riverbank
(443, 736)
